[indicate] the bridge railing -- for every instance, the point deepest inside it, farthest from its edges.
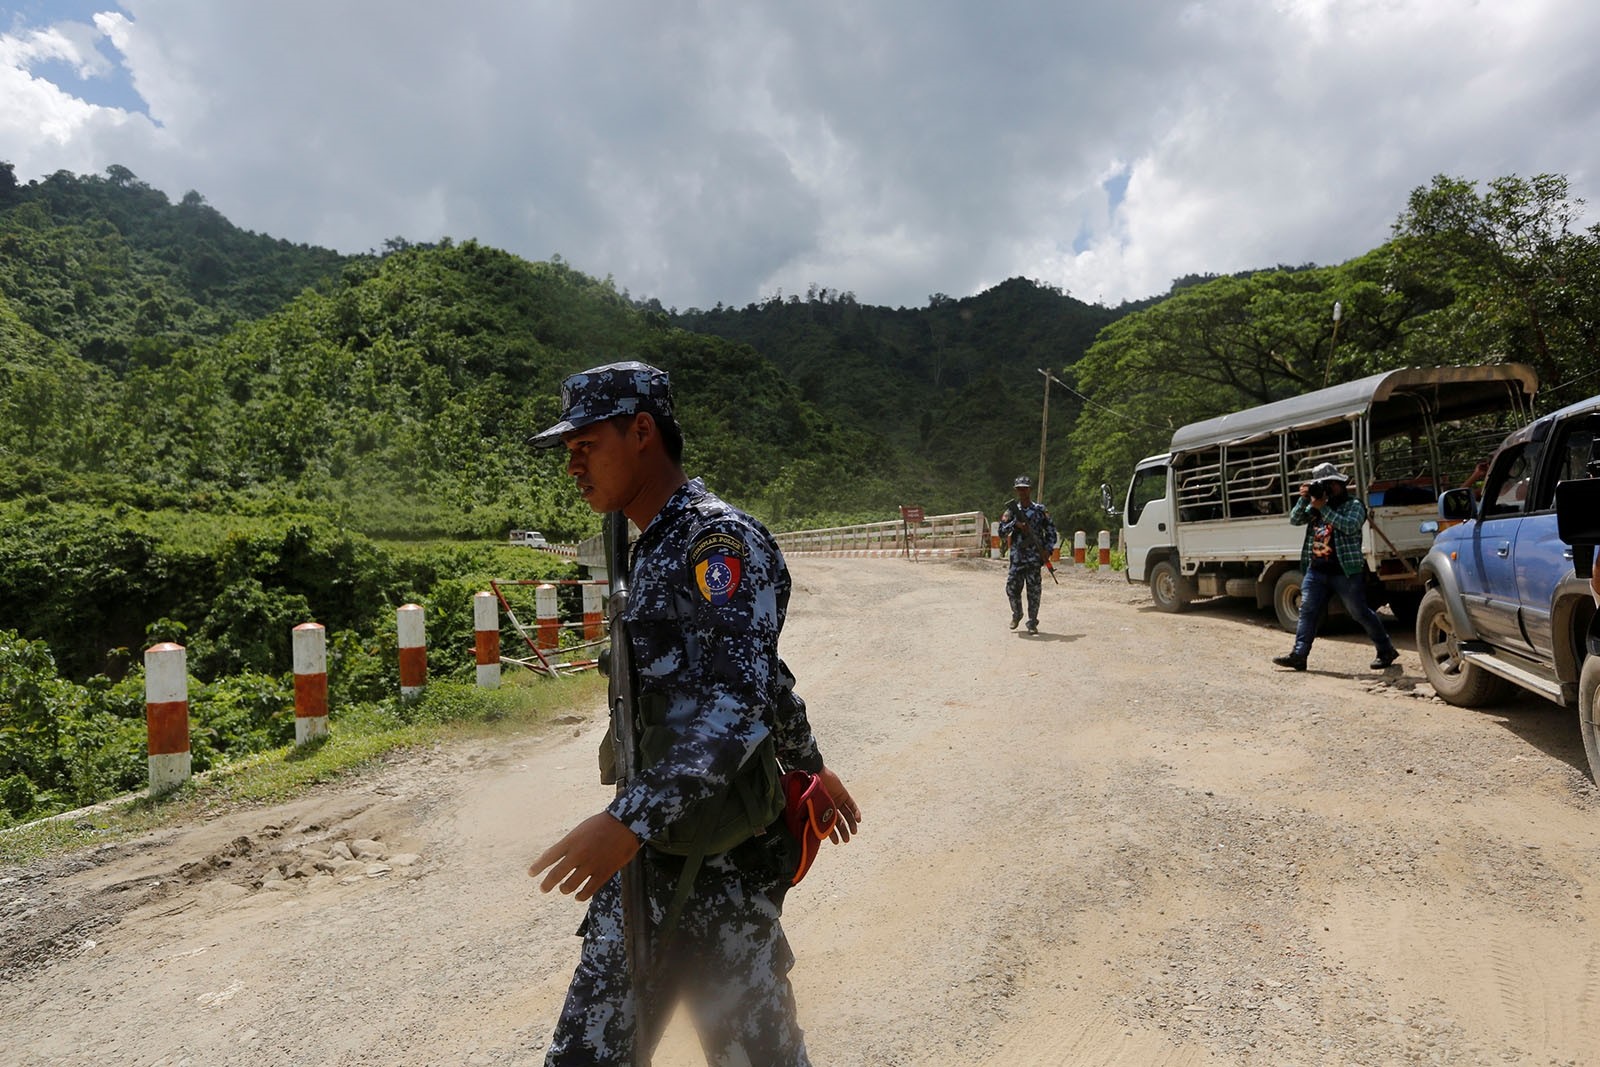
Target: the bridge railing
(962, 534)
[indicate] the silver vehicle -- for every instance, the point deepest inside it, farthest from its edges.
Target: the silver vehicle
(1210, 517)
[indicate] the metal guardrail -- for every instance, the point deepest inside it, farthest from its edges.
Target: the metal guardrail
(963, 534)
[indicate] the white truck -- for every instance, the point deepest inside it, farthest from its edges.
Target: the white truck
(531, 538)
(1210, 517)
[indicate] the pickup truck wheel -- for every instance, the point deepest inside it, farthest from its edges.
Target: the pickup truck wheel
(1589, 712)
(1286, 600)
(1169, 589)
(1452, 677)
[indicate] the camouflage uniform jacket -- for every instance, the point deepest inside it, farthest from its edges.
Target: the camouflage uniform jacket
(1023, 553)
(706, 602)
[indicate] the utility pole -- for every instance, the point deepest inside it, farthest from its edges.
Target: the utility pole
(1044, 434)
(1044, 429)
(1327, 371)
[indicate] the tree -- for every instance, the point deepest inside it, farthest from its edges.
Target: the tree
(1524, 285)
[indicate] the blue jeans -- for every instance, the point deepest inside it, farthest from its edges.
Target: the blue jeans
(1316, 589)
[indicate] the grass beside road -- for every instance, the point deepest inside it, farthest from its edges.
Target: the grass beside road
(357, 738)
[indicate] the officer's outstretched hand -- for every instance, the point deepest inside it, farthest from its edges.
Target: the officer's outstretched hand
(587, 857)
(849, 811)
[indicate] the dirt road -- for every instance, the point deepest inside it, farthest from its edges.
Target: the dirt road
(1129, 840)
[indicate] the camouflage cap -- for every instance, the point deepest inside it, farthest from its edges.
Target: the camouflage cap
(1022, 482)
(601, 393)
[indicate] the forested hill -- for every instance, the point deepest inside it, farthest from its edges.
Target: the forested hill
(401, 385)
(108, 265)
(955, 385)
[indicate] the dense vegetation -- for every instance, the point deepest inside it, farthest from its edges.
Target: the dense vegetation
(953, 390)
(209, 435)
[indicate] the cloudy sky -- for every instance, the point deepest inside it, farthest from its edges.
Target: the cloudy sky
(720, 151)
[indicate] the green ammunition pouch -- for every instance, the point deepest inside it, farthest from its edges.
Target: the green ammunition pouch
(750, 803)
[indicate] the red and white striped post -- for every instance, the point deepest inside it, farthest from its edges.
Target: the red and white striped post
(166, 712)
(310, 682)
(594, 616)
(548, 612)
(1105, 548)
(1080, 548)
(994, 540)
(486, 639)
(412, 632)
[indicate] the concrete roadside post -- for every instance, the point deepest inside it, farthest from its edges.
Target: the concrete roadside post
(310, 682)
(412, 632)
(1105, 548)
(486, 639)
(594, 618)
(548, 612)
(1080, 548)
(166, 709)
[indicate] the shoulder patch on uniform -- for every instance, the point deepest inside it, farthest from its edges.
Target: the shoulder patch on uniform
(717, 560)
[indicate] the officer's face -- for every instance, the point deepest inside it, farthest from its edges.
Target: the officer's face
(601, 461)
(1023, 493)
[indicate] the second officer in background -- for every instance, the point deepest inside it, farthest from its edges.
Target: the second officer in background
(1026, 525)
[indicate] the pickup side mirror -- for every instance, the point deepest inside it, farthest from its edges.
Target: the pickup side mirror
(1578, 520)
(1106, 503)
(1457, 505)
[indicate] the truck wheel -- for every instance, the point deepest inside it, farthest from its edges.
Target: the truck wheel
(1589, 712)
(1286, 600)
(1169, 589)
(1452, 677)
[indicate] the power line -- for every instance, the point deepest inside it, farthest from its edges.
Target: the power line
(1103, 407)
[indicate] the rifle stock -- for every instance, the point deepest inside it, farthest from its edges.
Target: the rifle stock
(622, 688)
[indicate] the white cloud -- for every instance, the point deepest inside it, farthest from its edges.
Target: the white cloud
(718, 151)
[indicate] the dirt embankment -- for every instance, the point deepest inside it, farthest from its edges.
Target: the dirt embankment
(1129, 840)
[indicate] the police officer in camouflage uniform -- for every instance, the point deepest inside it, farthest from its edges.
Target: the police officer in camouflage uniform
(1026, 524)
(708, 591)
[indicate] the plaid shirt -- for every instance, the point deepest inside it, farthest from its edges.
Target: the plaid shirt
(1346, 518)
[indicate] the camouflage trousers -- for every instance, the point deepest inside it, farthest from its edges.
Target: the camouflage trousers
(1024, 574)
(727, 960)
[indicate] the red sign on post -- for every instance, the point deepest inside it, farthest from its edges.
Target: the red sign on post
(910, 518)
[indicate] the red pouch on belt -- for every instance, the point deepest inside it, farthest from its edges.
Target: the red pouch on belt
(809, 813)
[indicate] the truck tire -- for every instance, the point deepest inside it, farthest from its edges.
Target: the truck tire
(1170, 590)
(1455, 680)
(1589, 711)
(1286, 600)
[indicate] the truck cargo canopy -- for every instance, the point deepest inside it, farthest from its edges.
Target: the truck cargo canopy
(1447, 392)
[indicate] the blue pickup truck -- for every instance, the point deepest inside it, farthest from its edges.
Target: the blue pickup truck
(1504, 608)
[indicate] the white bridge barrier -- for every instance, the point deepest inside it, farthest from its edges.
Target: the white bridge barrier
(937, 536)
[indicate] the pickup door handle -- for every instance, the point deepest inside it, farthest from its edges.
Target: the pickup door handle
(1503, 551)
(1161, 526)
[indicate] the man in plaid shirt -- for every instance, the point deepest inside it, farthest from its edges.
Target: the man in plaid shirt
(1331, 563)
